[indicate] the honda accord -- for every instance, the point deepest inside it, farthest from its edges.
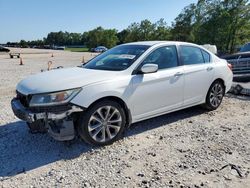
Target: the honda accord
(126, 84)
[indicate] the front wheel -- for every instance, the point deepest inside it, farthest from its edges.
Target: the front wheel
(103, 123)
(215, 95)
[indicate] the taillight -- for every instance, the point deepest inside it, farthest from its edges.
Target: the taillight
(230, 66)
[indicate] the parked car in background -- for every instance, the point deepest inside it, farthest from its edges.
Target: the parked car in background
(240, 63)
(3, 49)
(59, 47)
(126, 84)
(99, 49)
(245, 48)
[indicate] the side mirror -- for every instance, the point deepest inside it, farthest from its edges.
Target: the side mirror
(149, 68)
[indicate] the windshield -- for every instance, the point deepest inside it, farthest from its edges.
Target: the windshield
(118, 58)
(245, 48)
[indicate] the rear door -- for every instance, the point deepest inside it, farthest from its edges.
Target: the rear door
(198, 73)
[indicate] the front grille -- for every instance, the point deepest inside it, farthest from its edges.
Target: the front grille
(240, 66)
(24, 99)
(53, 109)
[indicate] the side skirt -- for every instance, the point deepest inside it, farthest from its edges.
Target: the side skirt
(134, 120)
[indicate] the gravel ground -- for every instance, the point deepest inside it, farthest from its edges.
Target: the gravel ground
(189, 148)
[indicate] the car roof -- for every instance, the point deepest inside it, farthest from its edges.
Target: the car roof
(158, 43)
(152, 43)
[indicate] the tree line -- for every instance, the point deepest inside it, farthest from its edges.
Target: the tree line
(224, 23)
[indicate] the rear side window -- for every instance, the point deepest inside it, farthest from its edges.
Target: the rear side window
(206, 56)
(191, 55)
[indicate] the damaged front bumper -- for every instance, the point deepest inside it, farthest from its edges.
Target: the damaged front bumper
(59, 124)
(24, 114)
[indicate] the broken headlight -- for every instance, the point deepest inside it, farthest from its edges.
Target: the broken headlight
(55, 98)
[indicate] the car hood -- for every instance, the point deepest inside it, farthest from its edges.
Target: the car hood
(62, 79)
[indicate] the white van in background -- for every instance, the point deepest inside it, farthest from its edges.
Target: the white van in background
(211, 48)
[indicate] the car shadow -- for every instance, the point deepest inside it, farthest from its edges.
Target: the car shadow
(164, 120)
(239, 97)
(23, 151)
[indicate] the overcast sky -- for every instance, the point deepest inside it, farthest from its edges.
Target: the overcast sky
(34, 19)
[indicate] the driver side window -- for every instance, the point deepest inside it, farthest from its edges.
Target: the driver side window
(165, 57)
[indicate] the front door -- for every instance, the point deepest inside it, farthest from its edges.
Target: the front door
(159, 92)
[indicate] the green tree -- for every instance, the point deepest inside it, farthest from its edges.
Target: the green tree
(64, 38)
(224, 23)
(23, 44)
(183, 25)
(145, 31)
(133, 33)
(122, 36)
(100, 36)
(161, 31)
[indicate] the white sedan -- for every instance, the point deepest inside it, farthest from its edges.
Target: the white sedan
(126, 84)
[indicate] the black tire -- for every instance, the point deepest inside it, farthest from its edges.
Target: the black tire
(217, 95)
(37, 127)
(86, 119)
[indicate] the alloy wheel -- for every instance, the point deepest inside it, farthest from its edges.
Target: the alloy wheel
(216, 95)
(105, 123)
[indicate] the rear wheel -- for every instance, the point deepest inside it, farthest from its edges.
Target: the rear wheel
(103, 123)
(215, 95)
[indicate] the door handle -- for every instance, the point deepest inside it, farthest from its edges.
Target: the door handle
(210, 68)
(178, 74)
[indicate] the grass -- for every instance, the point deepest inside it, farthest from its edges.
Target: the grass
(77, 49)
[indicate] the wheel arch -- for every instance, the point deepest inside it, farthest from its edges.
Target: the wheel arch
(119, 101)
(217, 79)
(220, 80)
(207, 105)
